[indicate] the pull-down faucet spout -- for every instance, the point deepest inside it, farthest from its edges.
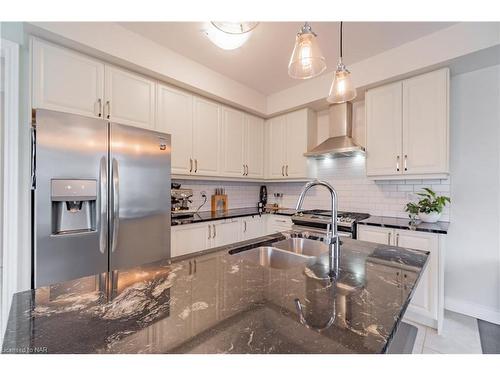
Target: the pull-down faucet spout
(332, 237)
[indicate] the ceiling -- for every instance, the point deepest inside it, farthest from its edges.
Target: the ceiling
(261, 63)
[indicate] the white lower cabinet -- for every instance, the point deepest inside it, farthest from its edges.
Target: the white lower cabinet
(278, 223)
(225, 232)
(192, 238)
(426, 306)
(252, 227)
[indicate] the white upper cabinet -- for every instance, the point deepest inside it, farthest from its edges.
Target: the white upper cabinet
(384, 130)
(288, 138)
(408, 127)
(425, 123)
(206, 137)
(233, 142)
(254, 147)
(296, 135)
(276, 147)
(175, 116)
(66, 81)
(129, 98)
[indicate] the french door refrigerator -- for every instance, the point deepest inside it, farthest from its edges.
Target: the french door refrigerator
(101, 196)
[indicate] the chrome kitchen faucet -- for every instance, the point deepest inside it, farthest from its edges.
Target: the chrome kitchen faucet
(332, 237)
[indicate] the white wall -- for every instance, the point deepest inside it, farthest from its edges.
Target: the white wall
(472, 269)
(356, 192)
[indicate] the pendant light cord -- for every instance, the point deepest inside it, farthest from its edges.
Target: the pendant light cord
(341, 40)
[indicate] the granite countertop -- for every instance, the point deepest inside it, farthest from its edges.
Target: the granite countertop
(440, 227)
(222, 302)
(232, 213)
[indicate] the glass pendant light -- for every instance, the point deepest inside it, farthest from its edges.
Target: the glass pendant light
(307, 61)
(342, 89)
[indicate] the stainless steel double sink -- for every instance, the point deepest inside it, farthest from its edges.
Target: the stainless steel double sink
(289, 253)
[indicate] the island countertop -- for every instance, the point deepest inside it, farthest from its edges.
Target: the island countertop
(220, 302)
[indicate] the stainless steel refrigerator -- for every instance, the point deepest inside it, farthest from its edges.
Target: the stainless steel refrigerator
(101, 196)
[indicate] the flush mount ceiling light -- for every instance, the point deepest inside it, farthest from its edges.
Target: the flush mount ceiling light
(225, 40)
(307, 61)
(342, 89)
(235, 27)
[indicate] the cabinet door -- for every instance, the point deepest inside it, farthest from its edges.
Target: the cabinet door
(252, 227)
(226, 232)
(296, 144)
(424, 301)
(384, 130)
(189, 238)
(175, 116)
(375, 234)
(66, 81)
(425, 123)
(254, 146)
(275, 147)
(204, 307)
(129, 98)
(233, 142)
(278, 223)
(206, 137)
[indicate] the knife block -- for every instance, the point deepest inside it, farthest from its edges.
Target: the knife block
(219, 203)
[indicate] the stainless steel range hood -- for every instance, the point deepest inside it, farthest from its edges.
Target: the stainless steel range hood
(340, 142)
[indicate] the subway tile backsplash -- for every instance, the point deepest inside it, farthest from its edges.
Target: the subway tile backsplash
(240, 194)
(356, 192)
(347, 175)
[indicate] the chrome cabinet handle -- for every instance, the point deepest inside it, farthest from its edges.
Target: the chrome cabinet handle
(244, 226)
(397, 163)
(283, 170)
(389, 238)
(103, 204)
(190, 165)
(195, 265)
(116, 204)
(397, 239)
(406, 160)
(108, 106)
(209, 231)
(195, 165)
(215, 232)
(286, 170)
(99, 103)
(190, 268)
(244, 170)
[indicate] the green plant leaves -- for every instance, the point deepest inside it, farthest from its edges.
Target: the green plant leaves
(430, 202)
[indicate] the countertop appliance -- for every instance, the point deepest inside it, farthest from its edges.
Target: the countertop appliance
(180, 199)
(101, 196)
(318, 220)
(262, 197)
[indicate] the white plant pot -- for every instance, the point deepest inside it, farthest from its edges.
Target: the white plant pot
(429, 218)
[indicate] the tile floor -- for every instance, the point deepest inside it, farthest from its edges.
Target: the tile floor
(460, 336)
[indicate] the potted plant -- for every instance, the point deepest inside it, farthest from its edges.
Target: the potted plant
(428, 208)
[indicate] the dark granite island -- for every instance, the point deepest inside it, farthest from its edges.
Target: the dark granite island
(220, 302)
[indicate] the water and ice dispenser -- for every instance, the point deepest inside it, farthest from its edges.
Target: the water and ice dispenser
(73, 206)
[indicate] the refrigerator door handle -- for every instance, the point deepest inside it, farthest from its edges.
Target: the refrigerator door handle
(103, 205)
(116, 204)
(33, 158)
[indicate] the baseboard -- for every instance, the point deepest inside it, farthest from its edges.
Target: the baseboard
(472, 309)
(420, 319)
